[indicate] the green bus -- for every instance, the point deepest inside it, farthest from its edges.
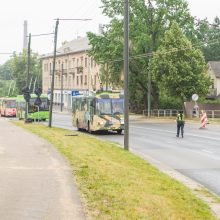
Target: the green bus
(35, 113)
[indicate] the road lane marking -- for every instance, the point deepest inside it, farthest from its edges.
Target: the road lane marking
(188, 134)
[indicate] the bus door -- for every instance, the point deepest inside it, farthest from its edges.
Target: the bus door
(91, 108)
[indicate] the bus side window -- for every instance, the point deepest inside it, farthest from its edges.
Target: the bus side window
(77, 104)
(83, 105)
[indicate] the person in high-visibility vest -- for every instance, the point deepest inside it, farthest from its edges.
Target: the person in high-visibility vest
(180, 123)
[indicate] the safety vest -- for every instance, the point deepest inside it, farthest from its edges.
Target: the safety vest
(179, 118)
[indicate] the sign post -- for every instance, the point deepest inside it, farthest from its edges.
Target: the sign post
(196, 107)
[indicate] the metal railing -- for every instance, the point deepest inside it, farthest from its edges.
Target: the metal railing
(211, 114)
(162, 112)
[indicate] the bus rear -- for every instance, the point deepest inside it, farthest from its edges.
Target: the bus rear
(35, 113)
(8, 107)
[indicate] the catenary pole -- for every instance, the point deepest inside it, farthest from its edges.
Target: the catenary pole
(28, 72)
(126, 71)
(149, 69)
(53, 73)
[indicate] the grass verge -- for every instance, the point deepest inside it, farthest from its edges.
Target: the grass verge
(119, 185)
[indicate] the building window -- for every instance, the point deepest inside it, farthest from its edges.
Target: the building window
(81, 61)
(73, 62)
(86, 62)
(91, 63)
(77, 63)
(77, 80)
(85, 80)
(213, 84)
(81, 79)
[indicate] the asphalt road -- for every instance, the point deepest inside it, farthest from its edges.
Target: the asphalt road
(197, 155)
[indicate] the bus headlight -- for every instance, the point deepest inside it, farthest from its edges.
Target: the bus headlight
(100, 122)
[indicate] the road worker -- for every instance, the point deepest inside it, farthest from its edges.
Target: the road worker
(180, 123)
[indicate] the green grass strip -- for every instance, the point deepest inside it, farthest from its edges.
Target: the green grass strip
(118, 185)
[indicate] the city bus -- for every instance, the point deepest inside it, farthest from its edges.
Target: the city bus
(99, 112)
(35, 113)
(8, 107)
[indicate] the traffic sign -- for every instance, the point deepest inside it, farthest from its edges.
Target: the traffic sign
(75, 93)
(195, 97)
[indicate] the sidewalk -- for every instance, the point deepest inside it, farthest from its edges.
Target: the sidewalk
(35, 181)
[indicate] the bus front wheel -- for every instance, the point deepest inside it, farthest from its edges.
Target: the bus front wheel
(88, 128)
(119, 131)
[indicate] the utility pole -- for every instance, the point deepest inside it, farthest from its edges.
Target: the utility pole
(89, 76)
(61, 95)
(28, 72)
(126, 71)
(107, 76)
(28, 59)
(150, 59)
(34, 84)
(13, 88)
(30, 83)
(9, 90)
(53, 73)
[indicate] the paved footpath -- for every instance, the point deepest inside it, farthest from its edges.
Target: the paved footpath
(35, 180)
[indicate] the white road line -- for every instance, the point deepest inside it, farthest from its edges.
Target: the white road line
(172, 132)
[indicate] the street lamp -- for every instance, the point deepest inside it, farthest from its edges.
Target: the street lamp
(150, 6)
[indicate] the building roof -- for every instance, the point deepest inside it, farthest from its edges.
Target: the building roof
(215, 67)
(75, 46)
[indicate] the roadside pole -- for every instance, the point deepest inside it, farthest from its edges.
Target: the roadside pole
(126, 71)
(151, 55)
(28, 73)
(53, 73)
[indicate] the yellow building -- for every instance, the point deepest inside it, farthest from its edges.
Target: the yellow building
(80, 72)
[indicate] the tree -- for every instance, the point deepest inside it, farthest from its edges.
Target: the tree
(6, 71)
(147, 28)
(179, 68)
(19, 69)
(208, 36)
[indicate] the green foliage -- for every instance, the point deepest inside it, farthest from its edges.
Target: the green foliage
(6, 71)
(7, 87)
(168, 102)
(147, 27)
(180, 68)
(16, 70)
(209, 36)
(19, 69)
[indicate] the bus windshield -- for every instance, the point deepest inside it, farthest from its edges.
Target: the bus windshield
(118, 106)
(10, 104)
(110, 106)
(104, 106)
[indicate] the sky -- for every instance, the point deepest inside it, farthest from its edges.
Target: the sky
(41, 14)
